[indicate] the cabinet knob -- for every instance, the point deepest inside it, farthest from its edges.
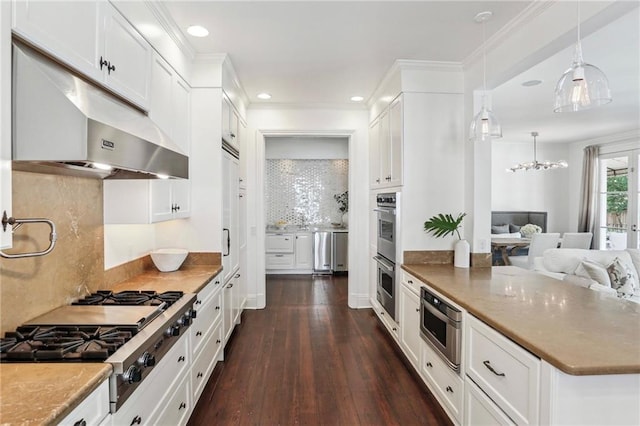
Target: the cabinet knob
(217, 308)
(394, 329)
(417, 309)
(103, 62)
(182, 405)
(136, 420)
(410, 281)
(237, 276)
(199, 333)
(181, 358)
(81, 422)
(429, 364)
(230, 285)
(448, 389)
(218, 341)
(378, 180)
(110, 68)
(199, 374)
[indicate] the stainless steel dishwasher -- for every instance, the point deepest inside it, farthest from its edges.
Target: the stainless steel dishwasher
(340, 251)
(322, 252)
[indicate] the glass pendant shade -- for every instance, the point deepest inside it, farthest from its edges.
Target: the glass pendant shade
(485, 126)
(581, 87)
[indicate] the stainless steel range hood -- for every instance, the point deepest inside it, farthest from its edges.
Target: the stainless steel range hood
(62, 124)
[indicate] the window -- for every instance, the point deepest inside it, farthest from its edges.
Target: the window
(619, 200)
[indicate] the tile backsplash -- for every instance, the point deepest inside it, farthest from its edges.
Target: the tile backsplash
(301, 191)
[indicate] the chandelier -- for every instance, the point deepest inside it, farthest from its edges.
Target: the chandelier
(537, 165)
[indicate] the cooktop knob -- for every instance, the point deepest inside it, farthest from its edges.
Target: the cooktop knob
(132, 375)
(174, 330)
(184, 320)
(192, 313)
(147, 360)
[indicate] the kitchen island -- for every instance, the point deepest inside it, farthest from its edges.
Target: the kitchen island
(45, 393)
(534, 350)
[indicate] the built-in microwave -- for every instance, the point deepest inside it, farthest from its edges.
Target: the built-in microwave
(441, 327)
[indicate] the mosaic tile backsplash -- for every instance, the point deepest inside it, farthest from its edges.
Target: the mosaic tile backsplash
(301, 191)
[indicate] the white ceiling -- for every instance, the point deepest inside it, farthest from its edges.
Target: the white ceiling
(323, 52)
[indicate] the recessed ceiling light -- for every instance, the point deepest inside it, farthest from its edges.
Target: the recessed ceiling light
(264, 96)
(198, 31)
(531, 83)
(357, 98)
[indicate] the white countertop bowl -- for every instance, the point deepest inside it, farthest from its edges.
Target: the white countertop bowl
(168, 259)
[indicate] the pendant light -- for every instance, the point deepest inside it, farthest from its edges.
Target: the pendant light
(484, 126)
(582, 86)
(537, 165)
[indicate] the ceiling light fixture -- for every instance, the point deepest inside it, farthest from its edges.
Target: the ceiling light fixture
(582, 86)
(264, 96)
(357, 98)
(535, 164)
(484, 126)
(198, 31)
(530, 83)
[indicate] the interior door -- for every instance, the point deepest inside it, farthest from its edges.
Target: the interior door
(619, 211)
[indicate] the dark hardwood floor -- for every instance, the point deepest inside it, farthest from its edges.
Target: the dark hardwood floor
(309, 359)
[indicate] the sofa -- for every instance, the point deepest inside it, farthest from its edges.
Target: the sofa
(615, 272)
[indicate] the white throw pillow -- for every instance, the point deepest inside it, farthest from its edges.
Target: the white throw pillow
(622, 279)
(512, 235)
(595, 271)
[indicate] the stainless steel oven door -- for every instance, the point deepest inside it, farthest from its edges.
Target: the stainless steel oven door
(441, 327)
(386, 285)
(386, 232)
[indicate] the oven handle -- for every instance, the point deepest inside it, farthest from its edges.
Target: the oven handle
(388, 211)
(440, 315)
(384, 263)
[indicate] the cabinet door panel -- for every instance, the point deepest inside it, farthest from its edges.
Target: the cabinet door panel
(384, 147)
(304, 251)
(160, 106)
(125, 49)
(161, 200)
(410, 325)
(181, 197)
(69, 30)
(181, 114)
(395, 143)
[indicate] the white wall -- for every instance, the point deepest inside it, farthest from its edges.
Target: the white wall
(532, 190)
(307, 148)
(318, 122)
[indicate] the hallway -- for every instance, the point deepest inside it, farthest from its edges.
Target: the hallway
(309, 359)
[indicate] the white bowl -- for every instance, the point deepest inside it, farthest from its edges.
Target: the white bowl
(168, 259)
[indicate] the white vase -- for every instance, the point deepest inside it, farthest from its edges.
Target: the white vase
(345, 218)
(461, 254)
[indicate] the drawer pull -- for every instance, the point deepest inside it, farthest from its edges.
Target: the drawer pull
(217, 308)
(181, 358)
(182, 405)
(218, 341)
(488, 365)
(410, 282)
(429, 364)
(199, 375)
(81, 422)
(136, 420)
(198, 302)
(417, 309)
(199, 333)
(448, 389)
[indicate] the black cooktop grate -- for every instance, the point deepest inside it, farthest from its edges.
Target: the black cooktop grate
(132, 297)
(63, 343)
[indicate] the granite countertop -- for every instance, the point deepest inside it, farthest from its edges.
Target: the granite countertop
(189, 279)
(44, 393)
(577, 330)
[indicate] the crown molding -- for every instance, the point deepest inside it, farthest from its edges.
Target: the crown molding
(412, 64)
(210, 58)
(533, 10)
(164, 18)
(614, 138)
(306, 106)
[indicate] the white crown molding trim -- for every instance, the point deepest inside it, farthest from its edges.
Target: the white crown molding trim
(164, 18)
(614, 138)
(534, 9)
(236, 80)
(293, 105)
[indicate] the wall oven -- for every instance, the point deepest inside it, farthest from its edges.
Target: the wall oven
(386, 291)
(441, 327)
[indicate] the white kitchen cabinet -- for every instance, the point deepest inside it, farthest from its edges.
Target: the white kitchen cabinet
(230, 216)
(146, 201)
(410, 339)
(444, 383)
(480, 410)
(236, 302)
(230, 123)
(228, 309)
(169, 105)
(206, 361)
(280, 243)
(386, 141)
(506, 372)
(5, 120)
(178, 407)
(92, 410)
(91, 37)
(304, 250)
(389, 323)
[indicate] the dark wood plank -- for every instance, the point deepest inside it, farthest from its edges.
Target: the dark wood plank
(309, 359)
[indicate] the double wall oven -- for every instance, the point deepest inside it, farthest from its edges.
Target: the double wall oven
(386, 291)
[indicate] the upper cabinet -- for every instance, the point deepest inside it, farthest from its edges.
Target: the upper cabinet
(169, 105)
(230, 123)
(91, 37)
(385, 137)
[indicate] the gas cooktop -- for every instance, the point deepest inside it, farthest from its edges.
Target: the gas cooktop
(145, 298)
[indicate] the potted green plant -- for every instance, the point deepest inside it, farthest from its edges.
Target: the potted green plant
(443, 225)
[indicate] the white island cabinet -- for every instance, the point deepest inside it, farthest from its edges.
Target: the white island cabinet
(93, 410)
(91, 37)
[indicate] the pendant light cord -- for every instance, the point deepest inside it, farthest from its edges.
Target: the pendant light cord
(484, 60)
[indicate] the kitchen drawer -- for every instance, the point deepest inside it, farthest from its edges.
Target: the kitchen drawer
(206, 361)
(279, 243)
(178, 407)
(205, 294)
(480, 410)
(201, 327)
(93, 409)
(279, 261)
(507, 373)
(443, 381)
(412, 282)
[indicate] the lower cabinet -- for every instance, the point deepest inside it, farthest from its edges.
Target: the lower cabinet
(410, 324)
(177, 408)
(93, 410)
(446, 384)
(206, 361)
(480, 410)
(228, 320)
